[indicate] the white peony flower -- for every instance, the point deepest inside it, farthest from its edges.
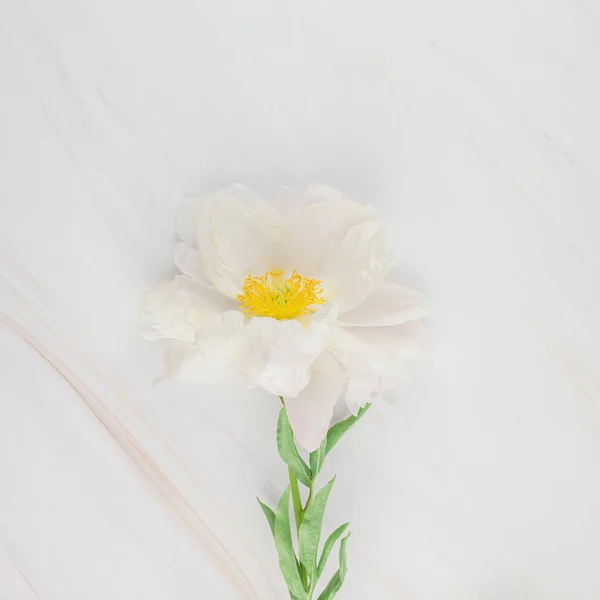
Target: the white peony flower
(294, 301)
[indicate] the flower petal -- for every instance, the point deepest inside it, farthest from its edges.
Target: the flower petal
(189, 216)
(389, 304)
(176, 309)
(188, 219)
(362, 387)
(358, 265)
(404, 341)
(318, 227)
(340, 242)
(236, 239)
(310, 412)
(215, 354)
(189, 262)
(319, 192)
(279, 355)
(377, 358)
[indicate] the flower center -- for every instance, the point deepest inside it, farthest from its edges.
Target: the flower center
(278, 297)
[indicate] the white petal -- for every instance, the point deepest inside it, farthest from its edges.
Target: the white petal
(389, 304)
(341, 243)
(183, 361)
(188, 220)
(358, 265)
(242, 193)
(290, 202)
(236, 239)
(377, 358)
(287, 201)
(215, 354)
(189, 217)
(361, 388)
(311, 411)
(279, 355)
(319, 192)
(317, 229)
(401, 341)
(176, 309)
(189, 262)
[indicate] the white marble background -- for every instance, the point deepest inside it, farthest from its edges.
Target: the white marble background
(474, 128)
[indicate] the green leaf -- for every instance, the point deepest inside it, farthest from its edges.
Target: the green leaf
(288, 451)
(339, 429)
(285, 548)
(310, 530)
(343, 560)
(316, 459)
(296, 500)
(335, 583)
(328, 547)
(333, 587)
(269, 514)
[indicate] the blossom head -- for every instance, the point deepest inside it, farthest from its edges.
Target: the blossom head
(294, 302)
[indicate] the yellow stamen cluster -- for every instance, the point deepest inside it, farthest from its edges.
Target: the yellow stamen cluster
(275, 296)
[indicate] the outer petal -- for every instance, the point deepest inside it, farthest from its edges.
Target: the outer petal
(215, 354)
(359, 264)
(188, 220)
(279, 355)
(341, 243)
(362, 387)
(319, 192)
(189, 262)
(377, 358)
(318, 229)
(311, 411)
(290, 202)
(176, 309)
(189, 217)
(236, 239)
(389, 304)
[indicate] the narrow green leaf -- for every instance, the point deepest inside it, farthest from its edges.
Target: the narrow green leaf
(310, 530)
(316, 459)
(333, 587)
(328, 547)
(269, 514)
(335, 583)
(343, 560)
(285, 548)
(296, 500)
(339, 429)
(288, 451)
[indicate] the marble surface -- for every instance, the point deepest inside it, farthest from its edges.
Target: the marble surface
(472, 126)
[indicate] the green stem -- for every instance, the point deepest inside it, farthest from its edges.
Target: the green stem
(310, 495)
(311, 587)
(313, 583)
(299, 511)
